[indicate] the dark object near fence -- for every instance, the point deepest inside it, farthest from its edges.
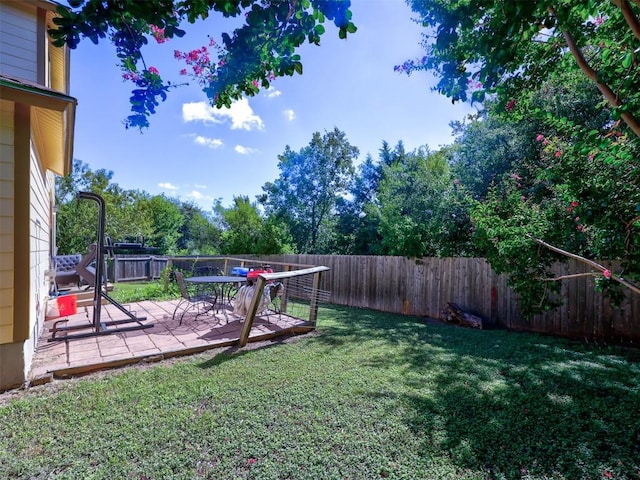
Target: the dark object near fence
(454, 314)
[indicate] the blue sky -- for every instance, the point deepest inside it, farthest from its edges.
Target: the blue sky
(200, 154)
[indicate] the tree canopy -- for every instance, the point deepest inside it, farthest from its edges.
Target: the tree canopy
(249, 58)
(310, 183)
(478, 48)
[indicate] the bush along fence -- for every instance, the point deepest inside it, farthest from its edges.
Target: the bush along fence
(423, 287)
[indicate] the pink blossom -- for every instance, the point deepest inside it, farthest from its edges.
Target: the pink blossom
(577, 219)
(607, 274)
(515, 176)
(580, 228)
(558, 154)
(599, 21)
(251, 461)
(522, 198)
(456, 181)
(183, 71)
(212, 42)
(158, 34)
(134, 77)
(177, 54)
(540, 137)
(546, 142)
(255, 83)
(511, 104)
(574, 204)
(153, 70)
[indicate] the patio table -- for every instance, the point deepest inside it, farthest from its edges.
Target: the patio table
(223, 287)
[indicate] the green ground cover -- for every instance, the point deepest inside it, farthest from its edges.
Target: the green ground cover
(127, 292)
(371, 396)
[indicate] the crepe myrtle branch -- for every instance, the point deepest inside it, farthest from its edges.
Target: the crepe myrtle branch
(604, 271)
(629, 16)
(605, 89)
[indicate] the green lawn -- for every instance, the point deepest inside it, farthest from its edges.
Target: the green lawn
(127, 292)
(372, 396)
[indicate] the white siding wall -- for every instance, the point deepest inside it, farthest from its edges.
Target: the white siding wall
(40, 194)
(18, 40)
(6, 220)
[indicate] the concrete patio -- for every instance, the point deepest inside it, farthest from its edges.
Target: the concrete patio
(166, 338)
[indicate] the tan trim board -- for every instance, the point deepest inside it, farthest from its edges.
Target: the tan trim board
(21, 250)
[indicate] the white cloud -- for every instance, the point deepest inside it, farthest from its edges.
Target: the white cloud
(195, 195)
(167, 186)
(204, 201)
(272, 93)
(195, 111)
(201, 187)
(208, 142)
(290, 114)
(240, 114)
(245, 150)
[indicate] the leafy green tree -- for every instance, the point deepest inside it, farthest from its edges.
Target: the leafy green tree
(575, 189)
(77, 220)
(198, 234)
(166, 220)
(585, 163)
(306, 193)
(358, 216)
(486, 148)
(357, 226)
(247, 231)
(478, 48)
(252, 56)
(422, 213)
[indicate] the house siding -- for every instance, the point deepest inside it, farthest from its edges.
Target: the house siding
(41, 185)
(19, 40)
(7, 190)
(36, 140)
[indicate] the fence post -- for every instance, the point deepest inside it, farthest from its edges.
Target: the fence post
(166, 277)
(313, 306)
(251, 314)
(285, 281)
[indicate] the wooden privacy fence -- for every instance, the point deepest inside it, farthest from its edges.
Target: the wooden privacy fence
(135, 267)
(423, 287)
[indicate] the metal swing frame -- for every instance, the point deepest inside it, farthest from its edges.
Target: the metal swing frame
(99, 327)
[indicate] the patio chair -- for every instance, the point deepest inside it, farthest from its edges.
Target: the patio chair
(202, 302)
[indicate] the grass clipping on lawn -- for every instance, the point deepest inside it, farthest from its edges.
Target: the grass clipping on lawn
(371, 396)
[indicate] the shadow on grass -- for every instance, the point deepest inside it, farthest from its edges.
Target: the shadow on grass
(235, 352)
(507, 404)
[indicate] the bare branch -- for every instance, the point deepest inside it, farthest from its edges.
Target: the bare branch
(591, 263)
(573, 275)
